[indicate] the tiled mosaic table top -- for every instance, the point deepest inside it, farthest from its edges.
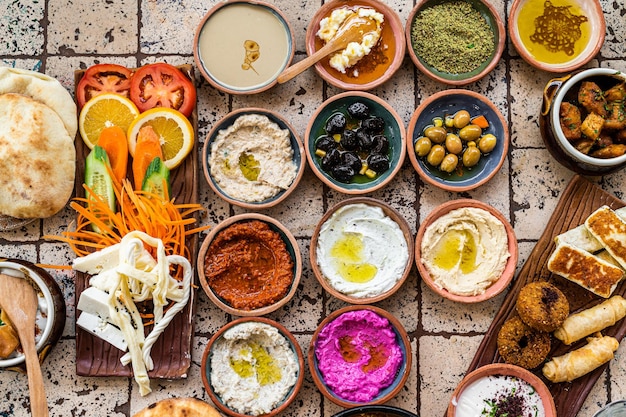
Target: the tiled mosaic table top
(60, 36)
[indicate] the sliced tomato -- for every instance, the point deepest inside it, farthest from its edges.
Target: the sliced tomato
(162, 85)
(103, 78)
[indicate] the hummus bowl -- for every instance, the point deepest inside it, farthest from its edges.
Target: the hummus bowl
(375, 66)
(50, 318)
(496, 385)
(354, 142)
(241, 46)
(249, 265)
(253, 158)
(466, 251)
(252, 366)
(464, 126)
(360, 355)
(362, 250)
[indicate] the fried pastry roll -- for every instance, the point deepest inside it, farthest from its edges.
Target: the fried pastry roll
(591, 320)
(579, 362)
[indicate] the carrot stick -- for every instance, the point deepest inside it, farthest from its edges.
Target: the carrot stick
(481, 121)
(147, 148)
(113, 140)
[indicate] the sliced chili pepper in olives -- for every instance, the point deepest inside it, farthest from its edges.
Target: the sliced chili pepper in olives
(377, 162)
(352, 160)
(349, 140)
(358, 110)
(365, 139)
(326, 143)
(373, 124)
(343, 173)
(381, 144)
(336, 123)
(331, 159)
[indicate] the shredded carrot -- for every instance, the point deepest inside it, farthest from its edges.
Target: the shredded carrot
(138, 210)
(481, 121)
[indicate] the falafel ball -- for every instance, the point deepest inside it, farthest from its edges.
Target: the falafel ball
(542, 306)
(521, 345)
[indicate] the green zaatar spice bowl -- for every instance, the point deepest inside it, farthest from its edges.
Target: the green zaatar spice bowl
(455, 42)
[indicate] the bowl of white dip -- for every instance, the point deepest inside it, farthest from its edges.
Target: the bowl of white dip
(466, 251)
(253, 158)
(50, 318)
(241, 46)
(362, 250)
(499, 388)
(360, 355)
(362, 65)
(252, 366)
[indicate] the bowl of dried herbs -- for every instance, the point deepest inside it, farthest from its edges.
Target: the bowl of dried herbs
(455, 42)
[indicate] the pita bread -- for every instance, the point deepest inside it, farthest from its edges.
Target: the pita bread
(44, 89)
(37, 159)
(179, 407)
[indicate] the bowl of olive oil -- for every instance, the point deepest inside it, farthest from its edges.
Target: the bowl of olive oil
(557, 35)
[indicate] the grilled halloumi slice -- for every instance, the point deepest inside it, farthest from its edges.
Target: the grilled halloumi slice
(582, 238)
(585, 269)
(610, 230)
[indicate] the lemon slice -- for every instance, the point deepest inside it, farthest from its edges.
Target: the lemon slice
(174, 130)
(105, 110)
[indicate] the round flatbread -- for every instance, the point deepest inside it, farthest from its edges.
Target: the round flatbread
(44, 89)
(37, 159)
(179, 407)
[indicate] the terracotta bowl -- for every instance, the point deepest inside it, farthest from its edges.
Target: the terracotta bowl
(290, 243)
(491, 16)
(522, 12)
(449, 102)
(393, 130)
(392, 46)
(501, 369)
(507, 275)
(296, 146)
(389, 212)
(375, 411)
(386, 394)
(565, 89)
(241, 46)
(51, 313)
(208, 354)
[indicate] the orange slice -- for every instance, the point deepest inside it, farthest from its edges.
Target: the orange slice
(105, 110)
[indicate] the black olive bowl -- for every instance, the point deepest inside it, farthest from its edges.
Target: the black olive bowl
(378, 133)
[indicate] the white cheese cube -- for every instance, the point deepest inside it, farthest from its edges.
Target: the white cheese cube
(105, 331)
(94, 301)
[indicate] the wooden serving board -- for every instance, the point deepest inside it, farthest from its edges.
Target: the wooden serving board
(172, 351)
(577, 202)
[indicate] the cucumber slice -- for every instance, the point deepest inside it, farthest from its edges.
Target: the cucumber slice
(97, 176)
(157, 179)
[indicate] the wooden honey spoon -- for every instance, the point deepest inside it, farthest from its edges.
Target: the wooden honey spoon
(18, 300)
(353, 29)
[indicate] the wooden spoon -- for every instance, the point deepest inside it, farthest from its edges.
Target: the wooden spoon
(353, 29)
(18, 300)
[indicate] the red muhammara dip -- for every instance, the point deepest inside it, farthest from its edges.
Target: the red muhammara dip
(248, 265)
(358, 355)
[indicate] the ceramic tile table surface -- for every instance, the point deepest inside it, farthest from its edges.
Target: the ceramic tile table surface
(60, 36)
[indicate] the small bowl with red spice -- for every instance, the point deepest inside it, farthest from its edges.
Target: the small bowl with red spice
(360, 355)
(371, 62)
(501, 389)
(455, 42)
(249, 265)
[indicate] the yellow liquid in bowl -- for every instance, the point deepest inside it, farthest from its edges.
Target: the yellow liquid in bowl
(553, 31)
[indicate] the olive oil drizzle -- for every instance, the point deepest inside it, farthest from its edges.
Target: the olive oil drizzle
(558, 29)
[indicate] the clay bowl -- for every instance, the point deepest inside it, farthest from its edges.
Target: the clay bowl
(565, 89)
(449, 102)
(491, 16)
(506, 370)
(613, 409)
(51, 313)
(292, 248)
(241, 46)
(296, 147)
(375, 411)
(393, 130)
(348, 297)
(526, 14)
(387, 393)
(509, 271)
(391, 45)
(207, 367)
